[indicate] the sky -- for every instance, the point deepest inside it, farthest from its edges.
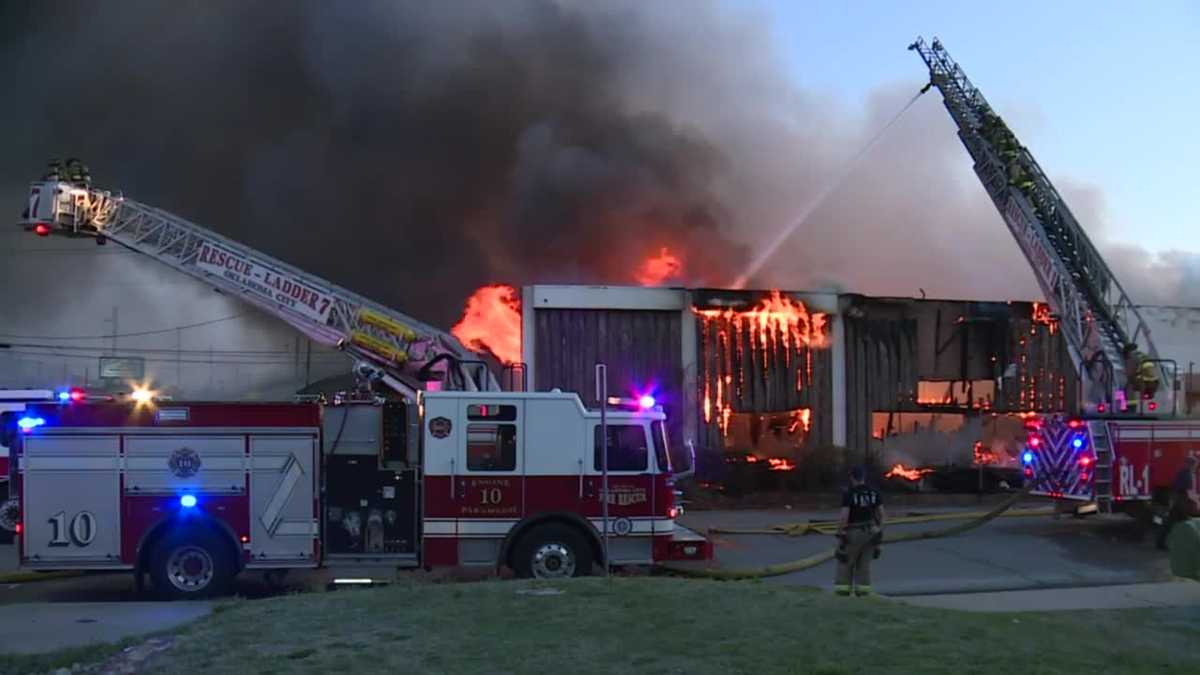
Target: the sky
(1105, 93)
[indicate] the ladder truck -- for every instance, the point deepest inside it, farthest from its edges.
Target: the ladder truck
(1128, 441)
(449, 472)
(390, 348)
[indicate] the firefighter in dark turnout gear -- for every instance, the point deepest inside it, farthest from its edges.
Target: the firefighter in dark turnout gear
(860, 529)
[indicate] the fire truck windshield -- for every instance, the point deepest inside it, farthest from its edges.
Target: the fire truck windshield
(659, 431)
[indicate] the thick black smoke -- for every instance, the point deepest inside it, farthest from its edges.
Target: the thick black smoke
(410, 151)
(414, 151)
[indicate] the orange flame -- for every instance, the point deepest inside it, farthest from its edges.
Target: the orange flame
(775, 315)
(801, 418)
(492, 322)
(1041, 315)
(773, 463)
(900, 471)
(781, 464)
(658, 269)
(778, 322)
(986, 456)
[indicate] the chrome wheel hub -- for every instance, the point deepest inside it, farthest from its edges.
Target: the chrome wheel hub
(553, 561)
(190, 568)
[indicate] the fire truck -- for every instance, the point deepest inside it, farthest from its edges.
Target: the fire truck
(430, 463)
(13, 400)
(1128, 440)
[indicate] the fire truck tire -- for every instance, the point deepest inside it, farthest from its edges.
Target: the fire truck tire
(10, 515)
(552, 551)
(191, 563)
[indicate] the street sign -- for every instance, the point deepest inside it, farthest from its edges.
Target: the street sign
(122, 367)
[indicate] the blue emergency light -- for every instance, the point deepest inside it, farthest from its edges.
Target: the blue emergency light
(28, 424)
(187, 501)
(1027, 457)
(64, 396)
(1077, 443)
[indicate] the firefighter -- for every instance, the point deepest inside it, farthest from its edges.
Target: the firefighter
(1141, 373)
(859, 532)
(1185, 501)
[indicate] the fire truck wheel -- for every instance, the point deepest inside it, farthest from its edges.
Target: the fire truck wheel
(191, 563)
(552, 551)
(10, 514)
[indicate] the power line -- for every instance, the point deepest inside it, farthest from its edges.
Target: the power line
(203, 362)
(109, 336)
(105, 351)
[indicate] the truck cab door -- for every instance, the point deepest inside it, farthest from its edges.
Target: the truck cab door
(489, 489)
(631, 489)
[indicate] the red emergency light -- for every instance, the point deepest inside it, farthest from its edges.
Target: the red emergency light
(41, 230)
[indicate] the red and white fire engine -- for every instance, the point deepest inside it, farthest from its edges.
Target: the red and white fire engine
(444, 470)
(192, 494)
(1130, 440)
(13, 400)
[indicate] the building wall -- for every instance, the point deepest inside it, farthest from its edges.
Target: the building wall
(640, 348)
(998, 356)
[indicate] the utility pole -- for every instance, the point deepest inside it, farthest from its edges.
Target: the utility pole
(178, 361)
(602, 395)
(114, 332)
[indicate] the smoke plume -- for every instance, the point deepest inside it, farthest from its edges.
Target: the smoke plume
(416, 151)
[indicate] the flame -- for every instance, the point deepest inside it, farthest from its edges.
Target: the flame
(777, 323)
(781, 464)
(773, 463)
(775, 315)
(1041, 315)
(801, 418)
(900, 471)
(492, 322)
(658, 269)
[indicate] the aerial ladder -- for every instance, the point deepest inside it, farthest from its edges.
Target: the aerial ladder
(1108, 340)
(1100, 322)
(389, 348)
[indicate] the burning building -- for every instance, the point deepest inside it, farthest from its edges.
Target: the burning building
(776, 378)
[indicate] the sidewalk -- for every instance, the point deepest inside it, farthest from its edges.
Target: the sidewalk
(44, 627)
(1167, 594)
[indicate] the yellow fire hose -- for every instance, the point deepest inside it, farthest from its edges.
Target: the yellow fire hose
(829, 527)
(979, 518)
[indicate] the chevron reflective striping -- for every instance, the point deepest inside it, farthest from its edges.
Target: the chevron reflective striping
(270, 518)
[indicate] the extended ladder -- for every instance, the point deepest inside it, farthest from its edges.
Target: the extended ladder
(1096, 315)
(390, 346)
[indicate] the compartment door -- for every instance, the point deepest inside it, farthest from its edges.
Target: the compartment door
(283, 511)
(71, 508)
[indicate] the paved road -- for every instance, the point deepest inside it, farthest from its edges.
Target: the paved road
(1005, 554)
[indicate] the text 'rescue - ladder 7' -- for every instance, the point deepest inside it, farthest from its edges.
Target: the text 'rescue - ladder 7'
(1102, 326)
(403, 353)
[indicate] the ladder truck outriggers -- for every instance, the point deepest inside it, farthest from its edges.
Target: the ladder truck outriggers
(446, 470)
(1127, 441)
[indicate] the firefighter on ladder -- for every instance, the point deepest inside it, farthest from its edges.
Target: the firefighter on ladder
(1141, 374)
(859, 533)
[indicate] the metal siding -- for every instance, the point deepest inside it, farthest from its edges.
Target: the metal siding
(641, 348)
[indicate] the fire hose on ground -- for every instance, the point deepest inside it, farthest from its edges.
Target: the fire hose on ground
(978, 519)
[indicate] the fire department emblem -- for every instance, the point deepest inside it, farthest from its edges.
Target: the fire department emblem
(184, 462)
(626, 495)
(439, 427)
(622, 526)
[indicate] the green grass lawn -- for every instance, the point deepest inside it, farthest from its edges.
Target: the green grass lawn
(663, 625)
